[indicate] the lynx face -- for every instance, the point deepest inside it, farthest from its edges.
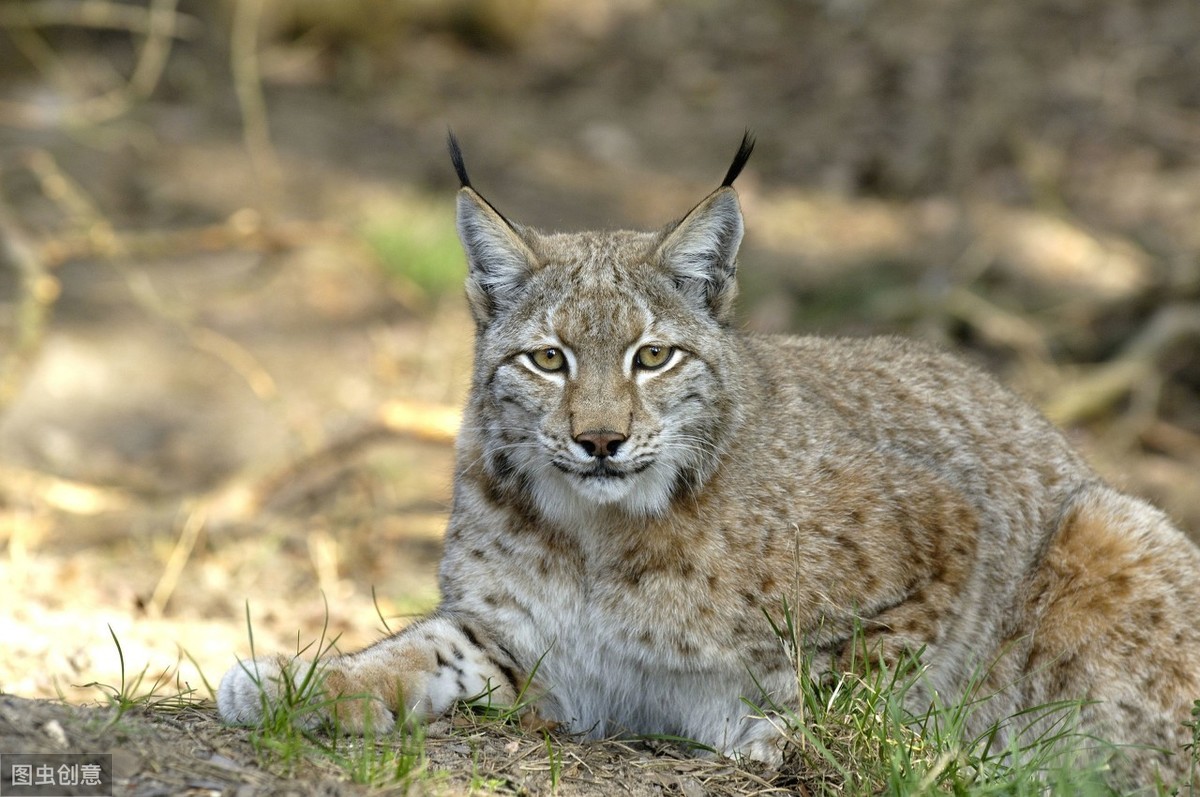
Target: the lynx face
(612, 407)
(601, 368)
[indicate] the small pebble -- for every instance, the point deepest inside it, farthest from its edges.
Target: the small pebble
(56, 733)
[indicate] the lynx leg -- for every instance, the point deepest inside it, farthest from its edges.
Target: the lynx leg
(414, 675)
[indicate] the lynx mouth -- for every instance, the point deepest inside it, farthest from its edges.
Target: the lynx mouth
(603, 470)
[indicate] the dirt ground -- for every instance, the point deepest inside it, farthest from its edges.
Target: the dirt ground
(187, 751)
(231, 341)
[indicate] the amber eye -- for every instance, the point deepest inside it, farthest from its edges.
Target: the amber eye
(548, 359)
(651, 357)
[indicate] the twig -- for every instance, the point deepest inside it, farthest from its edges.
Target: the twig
(323, 552)
(177, 561)
(161, 24)
(21, 529)
(65, 495)
(239, 359)
(39, 291)
(95, 14)
(1172, 440)
(238, 233)
(238, 500)
(267, 487)
(997, 325)
(152, 59)
(105, 242)
(431, 423)
(1105, 385)
(256, 132)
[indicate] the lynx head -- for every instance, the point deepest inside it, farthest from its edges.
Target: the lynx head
(603, 363)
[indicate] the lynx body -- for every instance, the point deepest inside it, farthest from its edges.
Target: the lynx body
(639, 485)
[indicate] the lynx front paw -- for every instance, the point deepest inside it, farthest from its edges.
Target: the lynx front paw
(253, 690)
(761, 741)
(263, 691)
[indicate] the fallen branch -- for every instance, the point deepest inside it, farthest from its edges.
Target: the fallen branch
(95, 14)
(65, 495)
(244, 231)
(160, 24)
(431, 423)
(1174, 441)
(38, 291)
(1103, 386)
(240, 499)
(247, 85)
(107, 244)
(189, 533)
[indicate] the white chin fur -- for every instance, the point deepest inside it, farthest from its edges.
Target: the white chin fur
(572, 500)
(604, 490)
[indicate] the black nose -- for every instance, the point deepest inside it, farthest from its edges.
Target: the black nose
(600, 444)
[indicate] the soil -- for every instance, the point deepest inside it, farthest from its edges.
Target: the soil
(186, 750)
(195, 444)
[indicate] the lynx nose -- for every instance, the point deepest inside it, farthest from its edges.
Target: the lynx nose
(600, 444)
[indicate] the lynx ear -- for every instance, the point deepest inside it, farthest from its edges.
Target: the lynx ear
(700, 252)
(499, 259)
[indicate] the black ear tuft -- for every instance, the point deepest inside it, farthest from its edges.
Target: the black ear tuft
(456, 157)
(739, 160)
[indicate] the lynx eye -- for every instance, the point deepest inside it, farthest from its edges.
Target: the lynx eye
(548, 359)
(651, 357)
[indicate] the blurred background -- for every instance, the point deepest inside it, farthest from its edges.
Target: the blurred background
(232, 337)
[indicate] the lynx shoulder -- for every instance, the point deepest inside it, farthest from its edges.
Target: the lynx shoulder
(640, 485)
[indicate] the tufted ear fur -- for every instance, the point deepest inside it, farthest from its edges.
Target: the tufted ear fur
(700, 252)
(499, 259)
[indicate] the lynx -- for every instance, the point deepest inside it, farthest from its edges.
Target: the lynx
(640, 486)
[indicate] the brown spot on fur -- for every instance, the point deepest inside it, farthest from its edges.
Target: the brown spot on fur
(1087, 592)
(492, 492)
(862, 563)
(1049, 475)
(1120, 586)
(1153, 613)
(335, 683)
(938, 573)
(847, 542)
